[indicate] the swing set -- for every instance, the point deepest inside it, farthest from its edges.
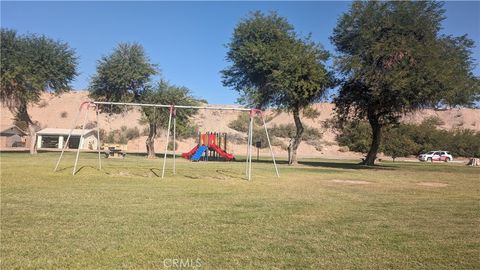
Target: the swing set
(209, 138)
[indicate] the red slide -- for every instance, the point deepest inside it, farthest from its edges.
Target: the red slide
(222, 153)
(187, 155)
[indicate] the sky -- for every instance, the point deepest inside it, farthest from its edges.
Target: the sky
(187, 39)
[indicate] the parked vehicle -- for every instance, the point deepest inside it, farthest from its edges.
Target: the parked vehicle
(436, 156)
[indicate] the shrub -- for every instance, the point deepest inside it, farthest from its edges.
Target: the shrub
(21, 124)
(279, 143)
(356, 136)
(243, 120)
(397, 142)
(170, 145)
(282, 131)
(42, 104)
(311, 134)
(289, 131)
(103, 134)
(316, 143)
(260, 136)
(236, 138)
(64, 114)
(90, 125)
(311, 113)
(241, 123)
(132, 133)
(187, 131)
(412, 139)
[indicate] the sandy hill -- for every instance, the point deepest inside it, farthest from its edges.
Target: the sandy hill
(60, 111)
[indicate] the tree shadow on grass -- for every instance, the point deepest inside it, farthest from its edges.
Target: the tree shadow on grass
(326, 164)
(345, 165)
(254, 160)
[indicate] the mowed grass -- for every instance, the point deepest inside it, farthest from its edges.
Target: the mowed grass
(125, 216)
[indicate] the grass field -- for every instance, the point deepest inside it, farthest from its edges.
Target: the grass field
(209, 217)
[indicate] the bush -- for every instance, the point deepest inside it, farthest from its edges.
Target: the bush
(90, 125)
(288, 131)
(311, 113)
(311, 134)
(412, 139)
(170, 145)
(282, 131)
(64, 114)
(103, 134)
(316, 143)
(42, 104)
(356, 136)
(277, 131)
(243, 120)
(132, 133)
(279, 143)
(188, 131)
(236, 138)
(260, 136)
(397, 142)
(241, 123)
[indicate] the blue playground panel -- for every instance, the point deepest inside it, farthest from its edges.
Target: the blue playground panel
(198, 154)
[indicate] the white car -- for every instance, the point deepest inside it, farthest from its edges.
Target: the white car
(436, 156)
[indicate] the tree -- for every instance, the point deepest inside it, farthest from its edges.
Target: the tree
(394, 61)
(30, 66)
(164, 93)
(273, 67)
(123, 75)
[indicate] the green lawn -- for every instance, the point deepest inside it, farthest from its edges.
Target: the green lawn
(208, 215)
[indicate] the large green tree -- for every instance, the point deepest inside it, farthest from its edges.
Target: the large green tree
(157, 118)
(30, 66)
(394, 61)
(123, 75)
(273, 67)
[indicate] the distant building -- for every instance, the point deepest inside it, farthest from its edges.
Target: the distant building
(56, 137)
(12, 136)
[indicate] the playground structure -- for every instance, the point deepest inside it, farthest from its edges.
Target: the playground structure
(85, 106)
(209, 147)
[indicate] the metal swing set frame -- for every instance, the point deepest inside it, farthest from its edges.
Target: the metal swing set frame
(85, 106)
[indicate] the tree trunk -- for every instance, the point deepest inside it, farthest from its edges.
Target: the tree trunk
(33, 138)
(150, 142)
(21, 113)
(292, 148)
(376, 139)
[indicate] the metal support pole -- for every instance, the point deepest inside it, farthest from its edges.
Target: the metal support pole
(98, 139)
(270, 146)
(79, 143)
(166, 144)
(250, 151)
(174, 139)
(65, 144)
